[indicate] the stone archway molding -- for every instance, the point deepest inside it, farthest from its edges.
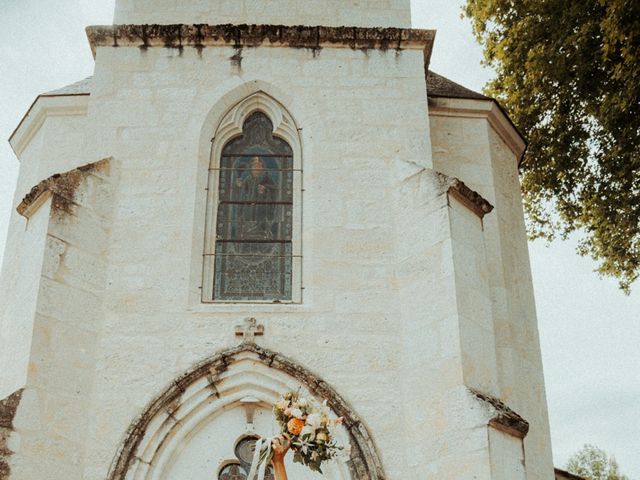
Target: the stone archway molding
(212, 385)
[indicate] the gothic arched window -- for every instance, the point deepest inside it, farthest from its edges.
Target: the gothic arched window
(253, 254)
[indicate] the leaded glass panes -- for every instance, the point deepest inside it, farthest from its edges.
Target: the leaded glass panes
(253, 253)
(232, 471)
(244, 454)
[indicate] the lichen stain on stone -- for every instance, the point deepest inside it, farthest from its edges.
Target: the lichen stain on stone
(503, 418)
(297, 36)
(171, 36)
(8, 408)
(63, 187)
(236, 58)
(472, 199)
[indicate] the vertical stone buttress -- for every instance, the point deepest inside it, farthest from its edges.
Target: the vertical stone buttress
(51, 419)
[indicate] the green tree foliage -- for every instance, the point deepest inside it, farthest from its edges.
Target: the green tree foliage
(591, 463)
(568, 73)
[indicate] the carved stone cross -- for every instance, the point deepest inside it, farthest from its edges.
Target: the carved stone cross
(249, 330)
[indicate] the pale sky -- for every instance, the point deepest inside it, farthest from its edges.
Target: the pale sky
(590, 331)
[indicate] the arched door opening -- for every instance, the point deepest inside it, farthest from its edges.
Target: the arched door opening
(200, 427)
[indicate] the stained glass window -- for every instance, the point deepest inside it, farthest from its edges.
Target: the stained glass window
(232, 471)
(239, 469)
(253, 250)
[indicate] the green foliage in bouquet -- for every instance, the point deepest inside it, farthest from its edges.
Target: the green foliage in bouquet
(309, 429)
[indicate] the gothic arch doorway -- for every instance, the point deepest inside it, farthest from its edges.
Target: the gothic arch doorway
(198, 427)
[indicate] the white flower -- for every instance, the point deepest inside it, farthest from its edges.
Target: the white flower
(282, 404)
(314, 420)
(304, 446)
(296, 412)
(308, 430)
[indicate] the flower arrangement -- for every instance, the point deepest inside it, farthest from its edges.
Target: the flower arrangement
(308, 428)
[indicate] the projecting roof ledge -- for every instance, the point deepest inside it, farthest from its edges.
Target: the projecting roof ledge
(299, 36)
(481, 108)
(70, 100)
(81, 87)
(564, 475)
(439, 86)
(448, 98)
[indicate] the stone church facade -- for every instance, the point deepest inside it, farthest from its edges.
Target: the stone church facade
(251, 197)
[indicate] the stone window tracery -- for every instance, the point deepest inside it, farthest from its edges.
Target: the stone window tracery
(238, 468)
(254, 218)
(252, 241)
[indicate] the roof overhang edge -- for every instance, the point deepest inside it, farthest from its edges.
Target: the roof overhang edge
(295, 36)
(42, 107)
(479, 108)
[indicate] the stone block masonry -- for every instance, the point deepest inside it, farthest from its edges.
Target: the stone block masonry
(414, 288)
(369, 13)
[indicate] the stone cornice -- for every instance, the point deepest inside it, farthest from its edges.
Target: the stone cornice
(461, 192)
(62, 186)
(238, 36)
(45, 106)
(472, 199)
(479, 108)
(502, 417)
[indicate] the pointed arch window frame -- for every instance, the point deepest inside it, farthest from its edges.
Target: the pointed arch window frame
(229, 128)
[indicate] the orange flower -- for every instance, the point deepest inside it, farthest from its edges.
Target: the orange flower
(295, 426)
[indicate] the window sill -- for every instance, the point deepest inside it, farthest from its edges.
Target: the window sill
(248, 307)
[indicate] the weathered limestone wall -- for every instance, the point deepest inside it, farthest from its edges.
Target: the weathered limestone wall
(507, 456)
(445, 348)
(518, 342)
(466, 145)
(411, 294)
(429, 366)
(51, 421)
(54, 146)
(361, 114)
(50, 139)
(361, 13)
(473, 300)
(18, 296)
